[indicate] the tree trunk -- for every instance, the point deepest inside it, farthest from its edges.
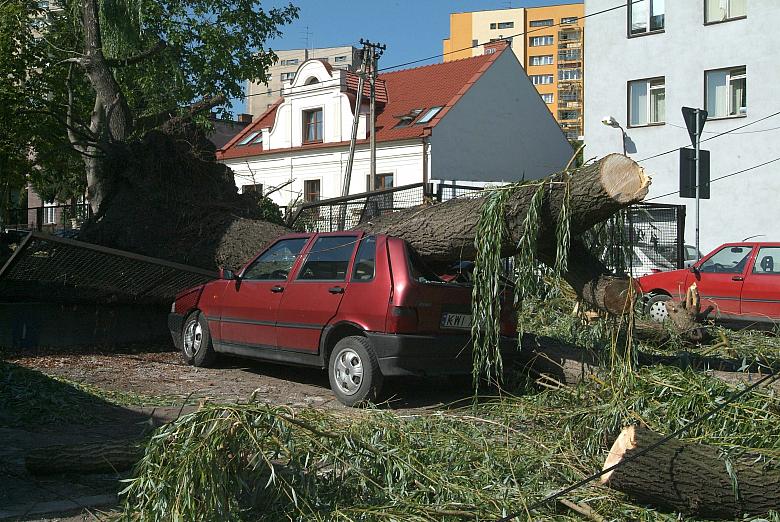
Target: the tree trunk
(443, 234)
(690, 478)
(92, 457)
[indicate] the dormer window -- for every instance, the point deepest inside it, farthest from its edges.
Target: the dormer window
(312, 126)
(406, 119)
(249, 138)
(432, 112)
(311, 81)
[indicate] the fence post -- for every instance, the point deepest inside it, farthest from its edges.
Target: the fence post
(681, 236)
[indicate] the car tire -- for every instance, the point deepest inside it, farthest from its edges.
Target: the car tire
(353, 371)
(196, 346)
(655, 308)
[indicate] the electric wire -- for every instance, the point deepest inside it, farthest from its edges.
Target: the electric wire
(539, 503)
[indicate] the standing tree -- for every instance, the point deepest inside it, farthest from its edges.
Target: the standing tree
(144, 62)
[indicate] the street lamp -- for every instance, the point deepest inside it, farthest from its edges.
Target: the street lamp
(610, 121)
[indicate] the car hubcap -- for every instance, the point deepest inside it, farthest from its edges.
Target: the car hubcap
(193, 337)
(658, 311)
(348, 372)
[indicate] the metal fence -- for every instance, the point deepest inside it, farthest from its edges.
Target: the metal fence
(446, 192)
(48, 218)
(54, 269)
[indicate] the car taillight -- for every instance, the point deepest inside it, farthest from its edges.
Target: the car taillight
(402, 319)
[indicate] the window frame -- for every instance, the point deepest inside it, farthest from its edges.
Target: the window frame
(287, 76)
(629, 18)
(715, 22)
(728, 86)
(306, 192)
(758, 259)
(551, 95)
(550, 56)
(356, 258)
(551, 37)
(648, 81)
(256, 260)
(340, 59)
(539, 23)
(305, 124)
(569, 20)
(551, 76)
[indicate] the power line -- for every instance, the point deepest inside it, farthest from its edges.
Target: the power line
(711, 137)
(720, 177)
(712, 132)
(768, 379)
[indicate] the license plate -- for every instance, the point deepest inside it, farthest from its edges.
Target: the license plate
(462, 321)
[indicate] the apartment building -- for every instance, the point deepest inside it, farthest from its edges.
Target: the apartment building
(262, 96)
(650, 59)
(548, 41)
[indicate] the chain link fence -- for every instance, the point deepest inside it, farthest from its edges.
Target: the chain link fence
(54, 269)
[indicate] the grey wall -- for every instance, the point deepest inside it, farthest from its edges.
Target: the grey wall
(500, 130)
(742, 205)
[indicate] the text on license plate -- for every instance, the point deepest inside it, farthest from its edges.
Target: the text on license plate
(456, 321)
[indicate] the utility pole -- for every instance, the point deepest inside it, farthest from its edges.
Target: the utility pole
(697, 147)
(695, 119)
(355, 121)
(375, 51)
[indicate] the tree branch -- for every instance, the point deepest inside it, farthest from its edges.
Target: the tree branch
(132, 60)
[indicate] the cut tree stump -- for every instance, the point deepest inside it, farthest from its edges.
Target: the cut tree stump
(92, 457)
(690, 478)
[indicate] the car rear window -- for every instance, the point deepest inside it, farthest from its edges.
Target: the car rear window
(328, 259)
(419, 271)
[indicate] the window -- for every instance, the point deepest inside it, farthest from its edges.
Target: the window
(645, 16)
(541, 79)
(548, 98)
(474, 43)
(765, 261)
(328, 259)
(537, 41)
(250, 137)
(407, 119)
(287, 76)
(541, 23)
(568, 115)
(49, 212)
(647, 102)
(256, 187)
(383, 181)
(570, 54)
(569, 74)
(379, 204)
(493, 25)
(311, 190)
(724, 10)
(542, 60)
(506, 25)
(726, 92)
(269, 92)
(365, 260)
(727, 260)
(276, 262)
(291, 61)
(312, 126)
(340, 59)
(428, 116)
(569, 20)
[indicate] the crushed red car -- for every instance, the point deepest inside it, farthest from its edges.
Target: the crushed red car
(363, 306)
(739, 283)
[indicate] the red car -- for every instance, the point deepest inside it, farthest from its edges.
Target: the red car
(738, 283)
(363, 306)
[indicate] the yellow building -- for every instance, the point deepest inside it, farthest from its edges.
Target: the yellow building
(548, 42)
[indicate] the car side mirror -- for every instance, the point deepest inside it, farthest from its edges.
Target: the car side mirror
(694, 269)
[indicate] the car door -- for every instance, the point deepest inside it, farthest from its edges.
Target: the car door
(250, 303)
(313, 296)
(761, 290)
(720, 277)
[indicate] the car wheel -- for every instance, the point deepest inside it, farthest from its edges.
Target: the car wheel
(196, 346)
(353, 371)
(656, 308)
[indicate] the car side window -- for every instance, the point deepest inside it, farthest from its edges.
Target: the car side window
(767, 261)
(276, 262)
(328, 259)
(365, 260)
(727, 260)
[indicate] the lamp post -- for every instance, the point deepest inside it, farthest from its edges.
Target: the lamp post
(610, 121)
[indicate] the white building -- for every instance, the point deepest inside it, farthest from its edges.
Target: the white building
(473, 120)
(651, 58)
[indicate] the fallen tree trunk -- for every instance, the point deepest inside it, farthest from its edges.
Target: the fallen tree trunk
(92, 457)
(445, 233)
(690, 478)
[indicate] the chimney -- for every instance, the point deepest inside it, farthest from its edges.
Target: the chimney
(245, 118)
(495, 46)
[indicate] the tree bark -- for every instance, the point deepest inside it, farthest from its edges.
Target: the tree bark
(690, 478)
(443, 234)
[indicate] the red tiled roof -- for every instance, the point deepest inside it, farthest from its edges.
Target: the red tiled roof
(407, 90)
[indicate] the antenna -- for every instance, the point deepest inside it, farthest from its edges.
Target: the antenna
(306, 36)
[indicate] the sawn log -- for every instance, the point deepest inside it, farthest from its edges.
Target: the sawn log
(690, 478)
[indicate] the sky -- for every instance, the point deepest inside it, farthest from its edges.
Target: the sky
(410, 29)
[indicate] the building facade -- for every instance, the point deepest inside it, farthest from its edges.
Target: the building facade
(445, 123)
(261, 96)
(548, 41)
(647, 61)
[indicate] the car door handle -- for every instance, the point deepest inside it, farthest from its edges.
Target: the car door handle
(336, 290)
(277, 289)
(737, 278)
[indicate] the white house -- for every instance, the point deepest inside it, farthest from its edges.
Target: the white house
(651, 58)
(474, 120)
